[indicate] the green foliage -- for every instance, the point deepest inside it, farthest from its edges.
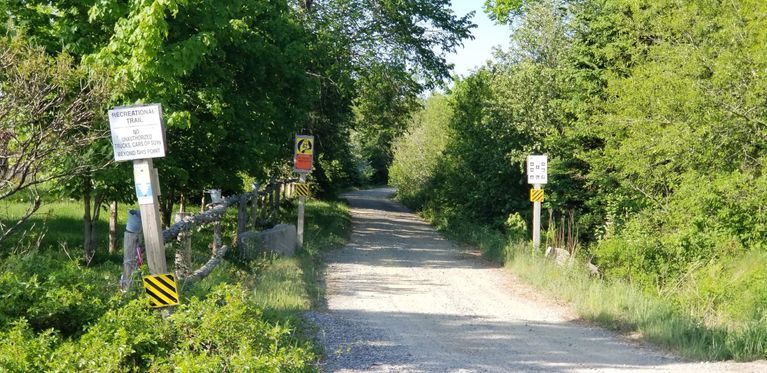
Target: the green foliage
(53, 292)
(22, 350)
(502, 11)
(226, 330)
(652, 114)
(56, 315)
(516, 227)
(418, 153)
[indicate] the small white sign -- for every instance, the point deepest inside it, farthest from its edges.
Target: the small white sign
(144, 193)
(537, 169)
(142, 176)
(137, 132)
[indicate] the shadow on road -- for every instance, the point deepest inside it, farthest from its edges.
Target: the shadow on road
(400, 297)
(473, 344)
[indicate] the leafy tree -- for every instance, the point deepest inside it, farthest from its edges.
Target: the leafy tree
(383, 54)
(48, 107)
(503, 11)
(418, 153)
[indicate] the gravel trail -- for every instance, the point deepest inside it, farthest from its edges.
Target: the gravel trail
(402, 298)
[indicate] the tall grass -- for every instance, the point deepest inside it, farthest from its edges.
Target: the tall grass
(61, 224)
(617, 305)
(290, 285)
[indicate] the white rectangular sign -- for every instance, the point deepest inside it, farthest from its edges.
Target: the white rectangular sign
(142, 176)
(137, 132)
(537, 169)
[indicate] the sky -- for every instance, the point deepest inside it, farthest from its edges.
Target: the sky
(486, 36)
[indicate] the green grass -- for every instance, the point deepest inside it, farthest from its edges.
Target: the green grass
(617, 305)
(61, 222)
(290, 285)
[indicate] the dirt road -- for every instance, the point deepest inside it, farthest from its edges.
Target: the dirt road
(402, 298)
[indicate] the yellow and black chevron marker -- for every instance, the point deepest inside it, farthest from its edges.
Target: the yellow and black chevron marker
(162, 290)
(302, 189)
(536, 195)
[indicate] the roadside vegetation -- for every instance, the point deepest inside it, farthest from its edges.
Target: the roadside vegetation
(60, 315)
(652, 115)
(236, 80)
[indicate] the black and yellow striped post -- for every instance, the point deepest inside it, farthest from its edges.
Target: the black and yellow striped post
(536, 195)
(302, 190)
(162, 290)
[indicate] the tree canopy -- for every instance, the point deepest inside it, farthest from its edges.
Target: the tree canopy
(238, 79)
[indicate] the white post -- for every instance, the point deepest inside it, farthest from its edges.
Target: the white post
(147, 189)
(536, 223)
(300, 226)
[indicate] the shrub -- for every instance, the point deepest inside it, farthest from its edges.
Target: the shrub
(129, 338)
(53, 292)
(21, 350)
(227, 331)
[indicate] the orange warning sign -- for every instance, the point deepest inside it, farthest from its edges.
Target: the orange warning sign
(303, 154)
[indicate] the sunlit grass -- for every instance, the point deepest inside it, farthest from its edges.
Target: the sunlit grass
(289, 285)
(61, 222)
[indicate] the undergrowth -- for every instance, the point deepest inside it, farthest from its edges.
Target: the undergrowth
(58, 315)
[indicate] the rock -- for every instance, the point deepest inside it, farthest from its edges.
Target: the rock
(593, 269)
(280, 240)
(561, 256)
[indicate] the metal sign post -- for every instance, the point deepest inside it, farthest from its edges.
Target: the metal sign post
(303, 158)
(138, 135)
(301, 207)
(537, 174)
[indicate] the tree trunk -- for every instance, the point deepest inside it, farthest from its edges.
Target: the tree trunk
(90, 218)
(95, 214)
(182, 203)
(88, 249)
(166, 207)
(113, 227)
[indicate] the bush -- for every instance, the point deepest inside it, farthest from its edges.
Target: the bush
(129, 338)
(516, 227)
(53, 292)
(21, 350)
(226, 331)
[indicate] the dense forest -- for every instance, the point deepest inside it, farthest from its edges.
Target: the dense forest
(653, 116)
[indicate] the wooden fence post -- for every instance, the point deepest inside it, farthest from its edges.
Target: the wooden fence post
(184, 252)
(145, 173)
(215, 198)
(254, 206)
(300, 223)
(277, 193)
(131, 240)
(242, 216)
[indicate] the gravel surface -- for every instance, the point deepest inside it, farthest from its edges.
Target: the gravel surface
(399, 297)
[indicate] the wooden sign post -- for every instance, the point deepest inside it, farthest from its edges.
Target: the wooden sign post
(138, 135)
(303, 157)
(537, 174)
